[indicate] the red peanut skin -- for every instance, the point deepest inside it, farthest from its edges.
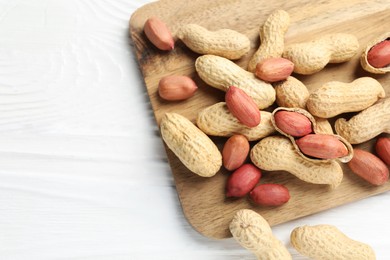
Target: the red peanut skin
(369, 167)
(270, 195)
(274, 69)
(242, 180)
(158, 33)
(293, 123)
(235, 151)
(379, 55)
(176, 87)
(322, 146)
(382, 148)
(242, 107)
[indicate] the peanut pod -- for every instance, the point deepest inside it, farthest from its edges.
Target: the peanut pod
(311, 57)
(253, 232)
(222, 73)
(367, 124)
(291, 93)
(277, 153)
(316, 130)
(328, 242)
(226, 43)
(364, 61)
(217, 120)
(334, 98)
(271, 38)
(193, 147)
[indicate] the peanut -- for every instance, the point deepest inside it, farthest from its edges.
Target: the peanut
(311, 57)
(222, 73)
(297, 122)
(382, 149)
(335, 98)
(242, 181)
(226, 43)
(235, 151)
(274, 69)
(379, 55)
(293, 123)
(271, 38)
(275, 153)
(253, 232)
(328, 242)
(323, 126)
(217, 120)
(369, 167)
(367, 124)
(159, 34)
(322, 146)
(175, 88)
(242, 107)
(291, 93)
(270, 195)
(376, 55)
(193, 147)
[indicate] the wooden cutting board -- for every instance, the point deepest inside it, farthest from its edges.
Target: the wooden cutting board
(202, 199)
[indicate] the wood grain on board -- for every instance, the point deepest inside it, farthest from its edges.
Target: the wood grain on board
(202, 199)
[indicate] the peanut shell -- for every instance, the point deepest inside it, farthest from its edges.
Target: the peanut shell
(363, 59)
(217, 120)
(277, 153)
(316, 130)
(193, 147)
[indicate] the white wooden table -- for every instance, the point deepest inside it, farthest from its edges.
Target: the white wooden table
(83, 172)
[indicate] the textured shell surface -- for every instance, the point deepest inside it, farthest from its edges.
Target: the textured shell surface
(328, 242)
(276, 153)
(291, 93)
(367, 124)
(217, 120)
(193, 148)
(334, 97)
(224, 42)
(253, 232)
(271, 37)
(222, 73)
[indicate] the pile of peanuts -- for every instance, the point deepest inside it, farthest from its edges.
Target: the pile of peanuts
(295, 137)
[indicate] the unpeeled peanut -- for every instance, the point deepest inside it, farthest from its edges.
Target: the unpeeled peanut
(193, 147)
(274, 69)
(159, 34)
(235, 151)
(367, 124)
(242, 180)
(222, 73)
(277, 153)
(224, 42)
(176, 87)
(322, 146)
(323, 126)
(253, 232)
(311, 57)
(217, 120)
(271, 38)
(376, 55)
(369, 167)
(334, 98)
(382, 149)
(293, 123)
(291, 93)
(270, 194)
(326, 242)
(242, 107)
